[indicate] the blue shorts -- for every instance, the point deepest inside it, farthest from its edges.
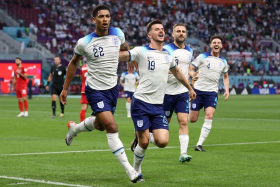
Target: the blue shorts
(102, 100)
(128, 94)
(147, 116)
(204, 99)
(179, 103)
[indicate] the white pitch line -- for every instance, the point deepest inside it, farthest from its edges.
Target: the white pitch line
(105, 150)
(42, 181)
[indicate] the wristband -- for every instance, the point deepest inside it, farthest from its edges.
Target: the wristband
(48, 83)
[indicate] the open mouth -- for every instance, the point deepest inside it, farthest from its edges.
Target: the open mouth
(105, 24)
(216, 48)
(160, 35)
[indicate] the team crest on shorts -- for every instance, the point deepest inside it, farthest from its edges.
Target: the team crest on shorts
(140, 123)
(59, 72)
(194, 105)
(100, 104)
(116, 41)
(23, 91)
(167, 113)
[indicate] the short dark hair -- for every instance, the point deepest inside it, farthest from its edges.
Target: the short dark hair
(179, 24)
(216, 36)
(100, 7)
(18, 58)
(149, 26)
(57, 57)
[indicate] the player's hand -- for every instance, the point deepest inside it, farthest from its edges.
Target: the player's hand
(47, 88)
(12, 89)
(63, 97)
(195, 76)
(192, 94)
(226, 94)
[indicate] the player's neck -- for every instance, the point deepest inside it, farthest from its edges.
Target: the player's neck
(180, 45)
(156, 45)
(215, 54)
(102, 32)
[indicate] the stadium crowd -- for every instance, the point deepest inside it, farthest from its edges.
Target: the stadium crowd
(245, 26)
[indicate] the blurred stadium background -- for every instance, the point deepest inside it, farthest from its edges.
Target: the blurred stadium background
(38, 30)
(243, 147)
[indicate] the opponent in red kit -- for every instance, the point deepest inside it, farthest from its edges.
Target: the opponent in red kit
(20, 83)
(84, 102)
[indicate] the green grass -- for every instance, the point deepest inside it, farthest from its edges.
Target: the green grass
(242, 149)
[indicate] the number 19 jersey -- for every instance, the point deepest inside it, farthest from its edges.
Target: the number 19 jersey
(153, 70)
(102, 53)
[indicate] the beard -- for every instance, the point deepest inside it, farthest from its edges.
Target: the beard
(17, 64)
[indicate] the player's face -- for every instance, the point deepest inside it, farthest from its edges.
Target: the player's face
(18, 62)
(57, 61)
(216, 45)
(157, 33)
(102, 20)
(180, 34)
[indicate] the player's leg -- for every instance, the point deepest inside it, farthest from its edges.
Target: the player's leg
(53, 97)
(54, 92)
(210, 103)
(83, 112)
(61, 105)
(182, 111)
(103, 104)
(84, 104)
(128, 103)
(20, 104)
(25, 103)
(140, 113)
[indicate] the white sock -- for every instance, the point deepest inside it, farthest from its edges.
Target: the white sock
(117, 149)
(152, 139)
(86, 125)
(205, 130)
(128, 106)
(184, 143)
(139, 155)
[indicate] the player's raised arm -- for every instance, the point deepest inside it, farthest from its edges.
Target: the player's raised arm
(124, 47)
(71, 70)
(226, 84)
(180, 76)
(124, 56)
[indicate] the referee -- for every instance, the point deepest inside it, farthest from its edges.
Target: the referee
(57, 74)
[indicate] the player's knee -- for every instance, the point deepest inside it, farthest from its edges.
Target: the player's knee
(209, 116)
(183, 122)
(161, 143)
(193, 120)
(99, 126)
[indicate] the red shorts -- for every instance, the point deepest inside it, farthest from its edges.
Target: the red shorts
(84, 99)
(21, 93)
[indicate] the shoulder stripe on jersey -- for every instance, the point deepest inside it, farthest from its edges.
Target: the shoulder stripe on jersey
(194, 65)
(77, 53)
(172, 67)
(129, 56)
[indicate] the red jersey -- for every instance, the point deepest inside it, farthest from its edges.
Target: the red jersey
(21, 83)
(83, 74)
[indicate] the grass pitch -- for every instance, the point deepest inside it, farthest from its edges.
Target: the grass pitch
(242, 149)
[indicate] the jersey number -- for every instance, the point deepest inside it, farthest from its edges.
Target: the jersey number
(152, 65)
(208, 66)
(98, 52)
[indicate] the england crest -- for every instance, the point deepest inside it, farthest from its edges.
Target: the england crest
(167, 113)
(59, 72)
(100, 104)
(193, 105)
(140, 123)
(116, 41)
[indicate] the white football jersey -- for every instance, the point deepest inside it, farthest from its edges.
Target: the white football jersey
(153, 69)
(102, 53)
(210, 69)
(129, 81)
(182, 58)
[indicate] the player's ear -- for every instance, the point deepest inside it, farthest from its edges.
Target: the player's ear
(149, 35)
(173, 34)
(94, 20)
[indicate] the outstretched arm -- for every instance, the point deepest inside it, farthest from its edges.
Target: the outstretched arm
(226, 84)
(72, 67)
